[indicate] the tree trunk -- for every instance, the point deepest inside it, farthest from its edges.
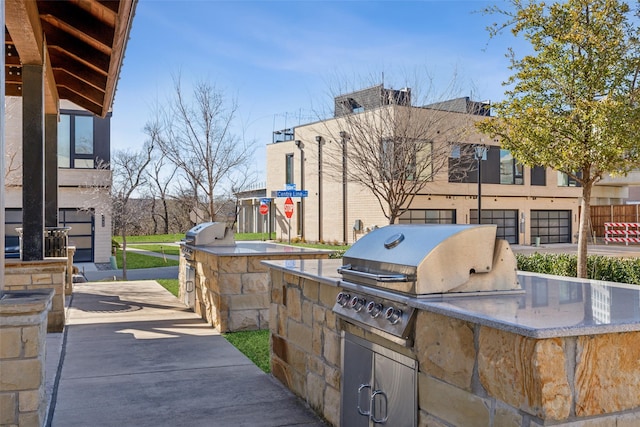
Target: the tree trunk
(124, 253)
(153, 216)
(583, 230)
(166, 215)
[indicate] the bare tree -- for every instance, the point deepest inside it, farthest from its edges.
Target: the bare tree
(389, 146)
(160, 174)
(196, 134)
(129, 174)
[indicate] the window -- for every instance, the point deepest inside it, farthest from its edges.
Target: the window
(565, 180)
(399, 159)
(76, 142)
(289, 169)
(539, 175)
(463, 164)
(428, 216)
(510, 170)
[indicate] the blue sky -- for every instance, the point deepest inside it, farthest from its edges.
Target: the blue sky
(281, 59)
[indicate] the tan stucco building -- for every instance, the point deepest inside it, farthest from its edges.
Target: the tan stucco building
(527, 204)
(83, 191)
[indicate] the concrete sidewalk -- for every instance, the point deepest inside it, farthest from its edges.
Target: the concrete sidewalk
(132, 354)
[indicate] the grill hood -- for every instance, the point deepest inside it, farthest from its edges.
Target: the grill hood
(432, 259)
(210, 234)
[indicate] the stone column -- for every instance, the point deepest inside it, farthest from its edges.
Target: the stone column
(32, 162)
(23, 330)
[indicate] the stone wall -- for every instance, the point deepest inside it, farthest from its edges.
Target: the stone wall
(232, 291)
(39, 275)
(305, 341)
(23, 323)
(469, 374)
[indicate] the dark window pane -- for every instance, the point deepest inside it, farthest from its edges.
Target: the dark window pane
(83, 135)
(64, 141)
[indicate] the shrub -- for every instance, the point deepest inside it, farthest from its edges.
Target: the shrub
(621, 270)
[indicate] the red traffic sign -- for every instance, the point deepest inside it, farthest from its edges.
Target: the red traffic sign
(288, 207)
(264, 209)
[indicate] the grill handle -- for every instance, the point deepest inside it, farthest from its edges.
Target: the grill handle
(346, 269)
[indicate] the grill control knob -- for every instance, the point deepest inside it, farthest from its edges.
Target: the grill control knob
(357, 303)
(343, 298)
(393, 315)
(374, 308)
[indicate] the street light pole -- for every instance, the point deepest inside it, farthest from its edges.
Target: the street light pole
(480, 153)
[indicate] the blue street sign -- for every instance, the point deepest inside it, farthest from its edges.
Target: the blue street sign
(265, 201)
(289, 187)
(292, 193)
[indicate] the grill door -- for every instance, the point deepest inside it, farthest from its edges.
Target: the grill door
(379, 386)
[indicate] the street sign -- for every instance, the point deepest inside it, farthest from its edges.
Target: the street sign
(264, 209)
(292, 193)
(288, 207)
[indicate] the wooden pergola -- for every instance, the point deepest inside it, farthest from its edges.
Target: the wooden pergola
(53, 50)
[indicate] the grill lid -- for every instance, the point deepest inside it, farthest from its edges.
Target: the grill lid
(432, 258)
(210, 233)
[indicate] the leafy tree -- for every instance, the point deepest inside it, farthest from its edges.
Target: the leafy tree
(572, 104)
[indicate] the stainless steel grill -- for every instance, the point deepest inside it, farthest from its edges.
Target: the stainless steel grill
(210, 234)
(387, 268)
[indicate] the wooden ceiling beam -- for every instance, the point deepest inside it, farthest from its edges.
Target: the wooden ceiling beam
(81, 52)
(64, 79)
(77, 22)
(22, 20)
(80, 100)
(79, 70)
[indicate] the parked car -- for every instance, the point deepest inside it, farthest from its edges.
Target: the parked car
(11, 247)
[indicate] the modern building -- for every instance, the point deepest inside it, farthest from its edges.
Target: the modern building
(528, 204)
(84, 180)
(61, 63)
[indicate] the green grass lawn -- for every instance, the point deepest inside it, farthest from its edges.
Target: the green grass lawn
(172, 238)
(172, 285)
(157, 238)
(254, 345)
(135, 260)
(165, 249)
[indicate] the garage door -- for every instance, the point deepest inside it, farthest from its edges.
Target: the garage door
(551, 226)
(506, 220)
(81, 233)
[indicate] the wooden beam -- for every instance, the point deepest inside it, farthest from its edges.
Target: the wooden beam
(79, 23)
(23, 24)
(126, 10)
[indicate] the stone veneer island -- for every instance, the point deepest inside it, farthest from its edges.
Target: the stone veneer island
(564, 353)
(231, 286)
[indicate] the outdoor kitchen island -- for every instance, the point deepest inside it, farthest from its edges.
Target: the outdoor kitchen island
(558, 351)
(223, 281)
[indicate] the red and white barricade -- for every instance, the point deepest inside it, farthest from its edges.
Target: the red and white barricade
(622, 232)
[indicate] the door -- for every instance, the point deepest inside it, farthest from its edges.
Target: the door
(551, 226)
(379, 386)
(189, 288)
(357, 369)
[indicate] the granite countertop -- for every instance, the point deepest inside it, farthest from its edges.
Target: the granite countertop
(257, 248)
(549, 306)
(322, 270)
(552, 306)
